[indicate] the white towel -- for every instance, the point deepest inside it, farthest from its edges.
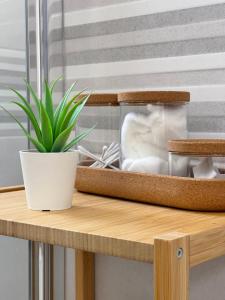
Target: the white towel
(146, 136)
(205, 169)
(150, 164)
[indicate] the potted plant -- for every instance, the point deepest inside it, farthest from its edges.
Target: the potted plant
(49, 170)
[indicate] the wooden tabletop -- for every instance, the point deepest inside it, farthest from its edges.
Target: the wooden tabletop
(113, 227)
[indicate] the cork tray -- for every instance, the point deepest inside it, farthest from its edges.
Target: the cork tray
(178, 192)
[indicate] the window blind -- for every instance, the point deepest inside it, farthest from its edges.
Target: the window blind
(12, 72)
(116, 45)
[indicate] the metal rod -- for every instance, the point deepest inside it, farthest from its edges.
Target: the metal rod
(30, 271)
(38, 48)
(45, 250)
(27, 20)
(41, 272)
(44, 39)
(44, 271)
(45, 255)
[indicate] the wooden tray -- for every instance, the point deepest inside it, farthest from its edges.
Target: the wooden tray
(179, 192)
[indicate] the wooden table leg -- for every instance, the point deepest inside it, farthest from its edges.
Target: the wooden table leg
(171, 267)
(85, 275)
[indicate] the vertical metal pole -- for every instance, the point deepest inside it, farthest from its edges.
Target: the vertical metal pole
(38, 48)
(41, 271)
(44, 38)
(44, 249)
(44, 272)
(30, 271)
(27, 61)
(30, 243)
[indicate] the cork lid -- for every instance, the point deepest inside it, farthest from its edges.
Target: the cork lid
(101, 99)
(167, 97)
(198, 147)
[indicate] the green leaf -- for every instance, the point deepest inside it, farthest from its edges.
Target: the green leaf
(34, 95)
(61, 105)
(79, 109)
(46, 129)
(54, 82)
(20, 96)
(77, 95)
(77, 139)
(49, 103)
(66, 116)
(29, 112)
(23, 99)
(39, 146)
(61, 139)
(32, 119)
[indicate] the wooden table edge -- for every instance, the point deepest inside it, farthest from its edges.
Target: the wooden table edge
(169, 267)
(11, 189)
(204, 246)
(81, 241)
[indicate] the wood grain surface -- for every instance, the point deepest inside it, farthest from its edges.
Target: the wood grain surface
(201, 147)
(11, 188)
(167, 97)
(101, 99)
(171, 267)
(85, 275)
(113, 227)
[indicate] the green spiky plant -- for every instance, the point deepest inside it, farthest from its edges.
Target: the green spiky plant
(52, 127)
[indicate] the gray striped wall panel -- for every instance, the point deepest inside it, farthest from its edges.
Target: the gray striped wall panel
(178, 33)
(152, 80)
(12, 70)
(161, 20)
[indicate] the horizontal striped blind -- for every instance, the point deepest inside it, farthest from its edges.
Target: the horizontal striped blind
(12, 72)
(142, 45)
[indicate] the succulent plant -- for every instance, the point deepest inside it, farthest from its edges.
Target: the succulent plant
(52, 126)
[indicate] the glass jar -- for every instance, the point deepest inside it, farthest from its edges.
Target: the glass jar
(101, 110)
(197, 158)
(148, 120)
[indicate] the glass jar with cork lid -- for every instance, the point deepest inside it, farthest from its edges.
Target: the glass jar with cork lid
(149, 119)
(101, 110)
(197, 158)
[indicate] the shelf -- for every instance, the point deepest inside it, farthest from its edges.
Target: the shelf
(113, 227)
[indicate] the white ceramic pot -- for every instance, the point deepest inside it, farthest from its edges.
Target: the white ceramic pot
(49, 179)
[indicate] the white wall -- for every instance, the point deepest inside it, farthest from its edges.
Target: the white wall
(13, 269)
(119, 279)
(10, 173)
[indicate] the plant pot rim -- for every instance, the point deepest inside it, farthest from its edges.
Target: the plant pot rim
(48, 153)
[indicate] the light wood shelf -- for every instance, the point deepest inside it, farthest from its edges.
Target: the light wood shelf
(121, 228)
